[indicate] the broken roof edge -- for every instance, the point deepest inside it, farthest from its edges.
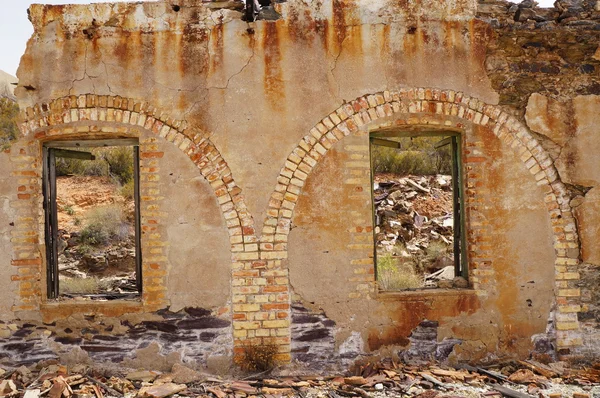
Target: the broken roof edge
(129, 16)
(177, 15)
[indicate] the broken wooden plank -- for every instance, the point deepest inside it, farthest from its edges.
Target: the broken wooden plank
(361, 392)
(539, 368)
(97, 391)
(433, 380)
(493, 375)
(7, 387)
(417, 186)
(355, 380)
(107, 388)
(161, 390)
(216, 391)
(509, 392)
(449, 373)
(59, 388)
(68, 154)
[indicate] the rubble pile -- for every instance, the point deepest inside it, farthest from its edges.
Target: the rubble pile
(113, 264)
(415, 225)
(521, 379)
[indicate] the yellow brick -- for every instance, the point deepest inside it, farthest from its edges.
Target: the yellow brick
(569, 342)
(259, 298)
(567, 325)
(283, 323)
(569, 308)
(246, 325)
(263, 333)
(570, 275)
(240, 333)
(246, 307)
(569, 293)
(259, 281)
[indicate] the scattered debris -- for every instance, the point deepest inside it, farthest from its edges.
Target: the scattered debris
(386, 377)
(415, 230)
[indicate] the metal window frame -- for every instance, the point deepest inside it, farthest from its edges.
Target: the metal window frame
(50, 150)
(454, 139)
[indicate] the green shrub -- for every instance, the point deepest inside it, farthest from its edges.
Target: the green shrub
(103, 224)
(120, 162)
(127, 190)
(416, 156)
(79, 167)
(391, 275)
(69, 210)
(93, 285)
(116, 162)
(9, 112)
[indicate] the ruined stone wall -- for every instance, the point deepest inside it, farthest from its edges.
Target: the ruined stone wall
(545, 65)
(256, 204)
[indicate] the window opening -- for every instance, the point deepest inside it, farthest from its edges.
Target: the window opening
(91, 203)
(418, 217)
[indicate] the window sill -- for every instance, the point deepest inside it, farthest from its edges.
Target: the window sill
(58, 309)
(418, 295)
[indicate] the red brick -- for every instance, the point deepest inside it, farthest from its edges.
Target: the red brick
(278, 306)
(275, 289)
(152, 155)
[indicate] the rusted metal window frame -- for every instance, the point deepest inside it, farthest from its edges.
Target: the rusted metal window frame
(49, 152)
(454, 138)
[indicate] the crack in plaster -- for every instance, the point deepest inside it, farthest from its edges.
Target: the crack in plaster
(339, 54)
(332, 70)
(252, 45)
(85, 74)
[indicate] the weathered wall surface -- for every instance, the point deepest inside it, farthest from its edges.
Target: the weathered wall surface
(256, 204)
(7, 216)
(517, 265)
(198, 246)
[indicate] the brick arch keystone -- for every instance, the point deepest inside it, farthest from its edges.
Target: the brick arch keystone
(437, 105)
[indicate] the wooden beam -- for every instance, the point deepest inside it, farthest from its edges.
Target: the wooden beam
(407, 131)
(93, 143)
(386, 143)
(443, 143)
(65, 153)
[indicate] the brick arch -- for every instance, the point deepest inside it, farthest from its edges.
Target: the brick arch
(106, 115)
(195, 143)
(423, 106)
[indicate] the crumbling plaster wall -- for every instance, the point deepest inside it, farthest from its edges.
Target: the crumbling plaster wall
(237, 99)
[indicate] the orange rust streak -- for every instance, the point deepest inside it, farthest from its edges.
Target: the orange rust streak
(273, 76)
(406, 314)
(216, 37)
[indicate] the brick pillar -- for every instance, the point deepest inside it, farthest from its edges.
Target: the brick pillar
(261, 303)
(25, 236)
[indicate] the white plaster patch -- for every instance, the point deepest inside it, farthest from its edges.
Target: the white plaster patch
(353, 344)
